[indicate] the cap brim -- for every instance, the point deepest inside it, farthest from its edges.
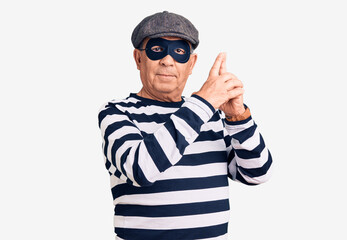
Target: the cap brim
(174, 34)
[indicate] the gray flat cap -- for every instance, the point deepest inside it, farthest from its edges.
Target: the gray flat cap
(165, 24)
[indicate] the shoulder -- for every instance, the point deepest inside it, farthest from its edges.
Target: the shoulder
(116, 107)
(127, 102)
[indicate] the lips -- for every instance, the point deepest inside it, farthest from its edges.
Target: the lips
(165, 75)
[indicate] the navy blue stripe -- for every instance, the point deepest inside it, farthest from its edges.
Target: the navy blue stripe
(172, 234)
(245, 134)
(156, 152)
(180, 140)
(227, 140)
(119, 142)
(108, 111)
(191, 118)
(129, 181)
(172, 185)
(257, 172)
(123, 159)
(108, 164)
(209, 136)
(172, 210)
(255, 153)
(139, 177)
(157, 118)
(102, 114)
(117, 173)
(117, 125)
(231, 156)
(128, 104)
(111, 128)
(215, 117)
(147, 101)
(242, 180)
(203, 158)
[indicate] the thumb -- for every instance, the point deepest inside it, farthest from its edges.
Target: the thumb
(217, 64)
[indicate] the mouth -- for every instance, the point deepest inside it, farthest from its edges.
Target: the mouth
(166, 75)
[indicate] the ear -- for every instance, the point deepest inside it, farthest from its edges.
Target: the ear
(192, 60)
(137, 58)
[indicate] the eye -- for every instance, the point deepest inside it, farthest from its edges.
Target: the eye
(157, 49)
(180, 51)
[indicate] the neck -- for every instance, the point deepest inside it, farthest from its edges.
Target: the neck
(159, 97)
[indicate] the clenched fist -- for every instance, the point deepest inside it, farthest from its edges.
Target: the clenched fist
(223, 89)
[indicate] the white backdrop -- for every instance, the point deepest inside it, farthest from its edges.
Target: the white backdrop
(61, 60)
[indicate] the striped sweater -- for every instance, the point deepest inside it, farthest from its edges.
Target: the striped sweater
(169, 164)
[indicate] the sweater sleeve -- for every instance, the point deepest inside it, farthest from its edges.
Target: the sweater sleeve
(139, 158)
(249, 160)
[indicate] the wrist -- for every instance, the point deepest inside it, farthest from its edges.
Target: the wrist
(238, 113)
(241, 115)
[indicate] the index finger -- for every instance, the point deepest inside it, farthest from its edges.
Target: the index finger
(217, 64)
(223, 67)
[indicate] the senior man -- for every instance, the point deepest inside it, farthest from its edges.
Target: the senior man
(169, 157)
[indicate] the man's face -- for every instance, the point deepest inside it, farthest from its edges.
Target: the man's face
(163, 78)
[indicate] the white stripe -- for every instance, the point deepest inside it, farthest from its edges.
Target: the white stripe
(206, 109)
(176, 197)
(223, 237)
(206, 170)
(148, 127)
(260, 179)
(129, 100)
(117, 157)
(233, 129)
(214, 126)
(115, 101)
(251, 143)
(114, 181)
(121, 132)
(151, 109)
(168, 145)
(125, 146)
(184, 128)
(254, 162)
(204, 116)
(229, 149)
(205, 146)
(119, 153)
(145, 162)
(180, 222)
(232, 168)
(128, 166)
(112, 169)
(151, 127)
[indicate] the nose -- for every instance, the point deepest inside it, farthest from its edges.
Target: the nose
(167, 61)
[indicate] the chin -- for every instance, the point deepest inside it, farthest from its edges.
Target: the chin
(166, 90)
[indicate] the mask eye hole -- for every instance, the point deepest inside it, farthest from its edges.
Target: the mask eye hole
(157, 49)
(180, 51)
